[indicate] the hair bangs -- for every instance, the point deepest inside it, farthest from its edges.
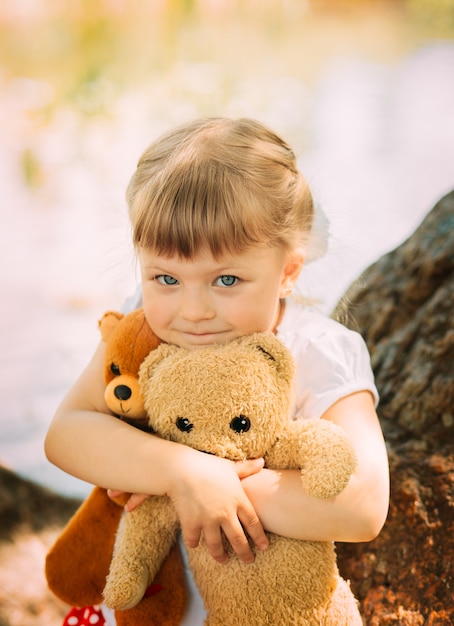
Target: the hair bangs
(219, 186)
(207, 208)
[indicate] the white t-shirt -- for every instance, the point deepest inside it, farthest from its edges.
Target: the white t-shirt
(331, 363)
(331, 360)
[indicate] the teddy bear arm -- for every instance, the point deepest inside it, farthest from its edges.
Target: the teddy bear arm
(77, 564)
(145, 538)
(321, 450)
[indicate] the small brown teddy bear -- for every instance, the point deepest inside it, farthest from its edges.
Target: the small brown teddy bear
(233, 400)
(78, 563)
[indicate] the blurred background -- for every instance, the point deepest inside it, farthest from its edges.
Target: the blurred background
(363, 90)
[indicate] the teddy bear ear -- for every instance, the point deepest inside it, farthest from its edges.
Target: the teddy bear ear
(278, 355)
(108, 322)
(162, 352)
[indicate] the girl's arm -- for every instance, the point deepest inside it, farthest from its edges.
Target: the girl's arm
(358, 513)
(85, 440)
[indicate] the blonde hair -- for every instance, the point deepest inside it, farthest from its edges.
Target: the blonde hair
(218, 184)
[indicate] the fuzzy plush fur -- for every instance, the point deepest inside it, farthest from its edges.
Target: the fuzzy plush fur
(234, 401)
(78, 563)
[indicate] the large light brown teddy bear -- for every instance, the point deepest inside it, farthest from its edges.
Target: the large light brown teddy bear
(233, 400)
(78, 562)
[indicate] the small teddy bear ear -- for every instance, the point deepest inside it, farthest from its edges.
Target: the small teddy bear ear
(108, 322)
(162, 352)
(274, 350)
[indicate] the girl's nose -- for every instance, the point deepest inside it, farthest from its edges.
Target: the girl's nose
(196, 307)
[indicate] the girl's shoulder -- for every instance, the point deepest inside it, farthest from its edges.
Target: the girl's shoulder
(305, 330)
(302, 322)
(332, 361)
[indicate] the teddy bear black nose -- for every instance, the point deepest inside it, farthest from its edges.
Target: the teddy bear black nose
(122, 392)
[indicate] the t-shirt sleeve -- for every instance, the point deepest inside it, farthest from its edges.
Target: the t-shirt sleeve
(331, 366)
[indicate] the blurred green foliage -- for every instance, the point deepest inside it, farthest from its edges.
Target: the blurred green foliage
(437, 14)
(31, 168)
(89, 50)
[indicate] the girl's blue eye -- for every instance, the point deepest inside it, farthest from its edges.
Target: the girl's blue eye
(226, 281)
(165, 279)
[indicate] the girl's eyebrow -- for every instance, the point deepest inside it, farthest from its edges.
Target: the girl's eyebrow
(154, 262)
(152, 268)
(149, 266)
(229, 270)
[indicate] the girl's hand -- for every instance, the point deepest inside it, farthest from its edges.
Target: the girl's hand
(209, 498)
(134, 500)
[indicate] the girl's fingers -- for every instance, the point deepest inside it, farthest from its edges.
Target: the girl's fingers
(253, 527)
(213, 541)
(191, 536)
(234, 534)
(247, 525)
(215, 546)
(134, 501)
(240, 544)
(114, 493)
(249, 467)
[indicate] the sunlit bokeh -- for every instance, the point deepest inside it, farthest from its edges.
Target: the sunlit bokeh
(364, 91)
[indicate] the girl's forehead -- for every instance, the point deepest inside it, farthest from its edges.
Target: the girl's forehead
(252, 256)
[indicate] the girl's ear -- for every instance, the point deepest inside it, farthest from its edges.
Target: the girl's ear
(290, 274)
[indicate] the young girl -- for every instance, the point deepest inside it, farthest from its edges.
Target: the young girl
(222, 222)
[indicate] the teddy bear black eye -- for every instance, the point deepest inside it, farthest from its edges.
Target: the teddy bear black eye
(240, 424)
(184, 424)
(115, 369)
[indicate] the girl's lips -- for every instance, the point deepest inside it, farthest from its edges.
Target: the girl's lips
(202, 335)
(205, 338)
(198, 333)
